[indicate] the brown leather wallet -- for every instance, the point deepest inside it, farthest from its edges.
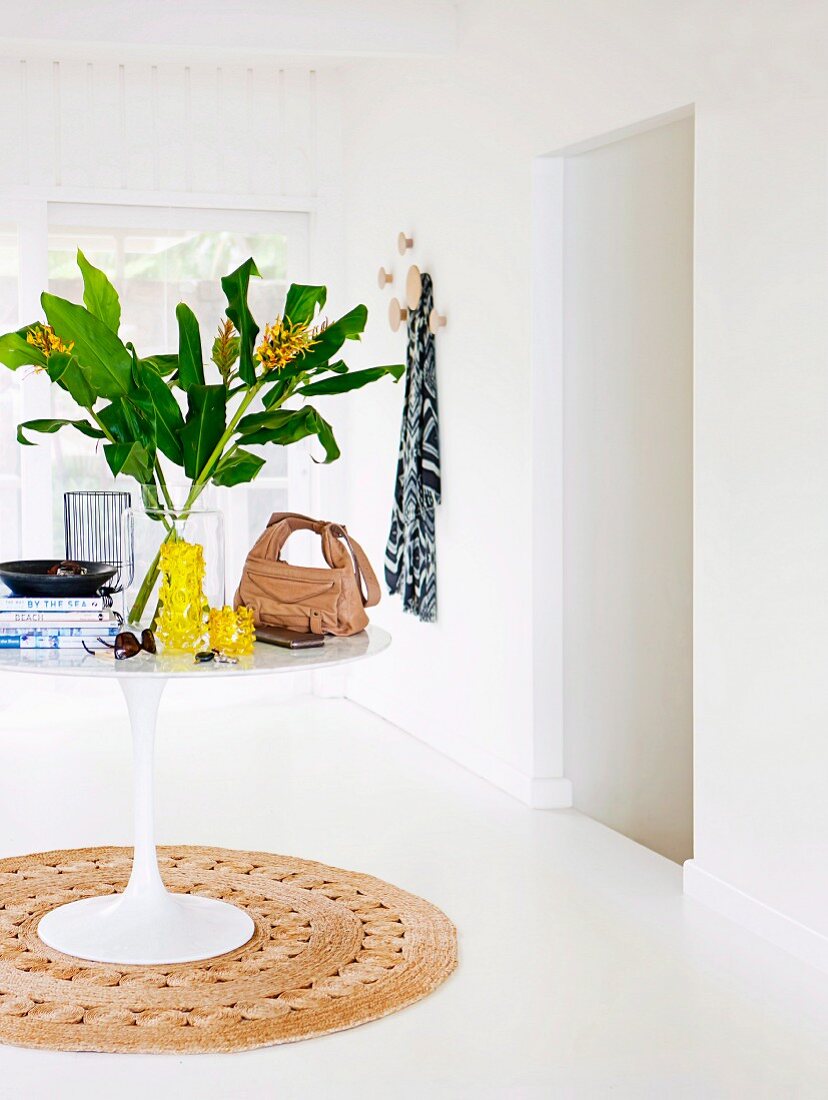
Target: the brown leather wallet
(288, 639)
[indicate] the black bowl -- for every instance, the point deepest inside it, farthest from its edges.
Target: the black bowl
(31, 578)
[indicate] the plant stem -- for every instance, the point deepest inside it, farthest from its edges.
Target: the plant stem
(196, 489)
(200, 481)
(147, 585)
(100, 423)
(162, 481)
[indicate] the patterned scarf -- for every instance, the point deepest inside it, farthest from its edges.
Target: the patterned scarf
(410, 557)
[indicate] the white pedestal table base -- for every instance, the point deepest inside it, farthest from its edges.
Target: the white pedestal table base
(174, 929)
(146, 924)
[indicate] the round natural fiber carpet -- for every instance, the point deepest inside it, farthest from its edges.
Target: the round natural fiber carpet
(331, 949)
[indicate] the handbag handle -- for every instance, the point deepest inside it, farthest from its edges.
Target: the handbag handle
(281, 526)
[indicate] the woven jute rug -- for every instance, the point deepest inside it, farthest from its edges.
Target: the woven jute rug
(331, 949)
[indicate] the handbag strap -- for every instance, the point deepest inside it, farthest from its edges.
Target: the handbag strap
(366, 578)
(281, 526)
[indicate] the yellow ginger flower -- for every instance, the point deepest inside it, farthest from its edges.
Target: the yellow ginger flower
(45, 339)
(282, 342)
(232, 632)
(182, 608)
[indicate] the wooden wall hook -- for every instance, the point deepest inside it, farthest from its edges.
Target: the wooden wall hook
(384, 278)
(436, 321)
(413, 287)
(396, 314)
(404, 243)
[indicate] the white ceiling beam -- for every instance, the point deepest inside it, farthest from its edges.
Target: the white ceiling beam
(248, 29)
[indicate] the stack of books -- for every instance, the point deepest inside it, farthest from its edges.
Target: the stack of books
(33, 622)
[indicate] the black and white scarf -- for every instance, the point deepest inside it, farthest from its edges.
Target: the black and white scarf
(410, 557)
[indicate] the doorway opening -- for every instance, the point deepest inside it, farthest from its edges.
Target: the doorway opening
(621, 260)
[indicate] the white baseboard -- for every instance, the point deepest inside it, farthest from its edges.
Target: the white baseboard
(551, 792)
(783, 931)
(540, 792)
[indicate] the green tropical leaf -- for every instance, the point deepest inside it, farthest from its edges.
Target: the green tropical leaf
(105, 359)
(49, 427)
(204, 426)
(114, 419)
(236, 467)
(277, 392)
(190, 359)
(301, 303)
(342, 383)
(130, 459)
(235, 287)
(127, 422)
(15, 351)
(352, 324)
(286, 426)
(63, 368)
(161, 364)
(326, 438)
(99, 295)
(276, 426)
(155, 399)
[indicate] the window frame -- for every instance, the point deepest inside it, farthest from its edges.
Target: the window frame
(12, 386)
(35, 218)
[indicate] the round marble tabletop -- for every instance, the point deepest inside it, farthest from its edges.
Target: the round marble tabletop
(265, 659)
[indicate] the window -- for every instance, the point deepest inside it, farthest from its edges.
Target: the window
(157, 258)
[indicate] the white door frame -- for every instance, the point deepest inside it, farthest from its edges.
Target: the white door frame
(549, 787)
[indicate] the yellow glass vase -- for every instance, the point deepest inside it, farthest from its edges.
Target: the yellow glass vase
(150, 534)
(182, 609)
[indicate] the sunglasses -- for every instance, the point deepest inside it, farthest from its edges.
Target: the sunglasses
(127, 645)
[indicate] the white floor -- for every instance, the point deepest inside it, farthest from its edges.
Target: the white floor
(583, 973)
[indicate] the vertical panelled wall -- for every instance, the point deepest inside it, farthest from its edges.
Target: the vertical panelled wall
(169, 128)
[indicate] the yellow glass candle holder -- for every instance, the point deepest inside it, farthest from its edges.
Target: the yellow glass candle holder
(182, 612)
(232, 632)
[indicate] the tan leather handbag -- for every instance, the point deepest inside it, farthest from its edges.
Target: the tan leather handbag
(303, 598)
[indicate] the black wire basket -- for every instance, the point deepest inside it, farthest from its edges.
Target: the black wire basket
(92, 531)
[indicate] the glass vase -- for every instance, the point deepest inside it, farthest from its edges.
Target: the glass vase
(156, 537)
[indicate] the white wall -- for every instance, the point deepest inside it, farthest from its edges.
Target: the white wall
(628, 490)
(761, 646)
(444, 148)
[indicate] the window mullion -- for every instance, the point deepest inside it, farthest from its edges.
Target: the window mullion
(35, 462)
